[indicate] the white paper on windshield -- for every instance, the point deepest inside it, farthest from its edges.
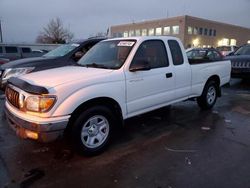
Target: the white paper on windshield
(125, 43)
(75, 45)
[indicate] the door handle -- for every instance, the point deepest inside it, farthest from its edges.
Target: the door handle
(169, 75)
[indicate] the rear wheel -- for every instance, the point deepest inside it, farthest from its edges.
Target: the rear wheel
(92, 130)
(209, 96)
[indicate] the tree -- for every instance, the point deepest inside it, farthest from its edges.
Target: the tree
(99, 34)
(54, 33)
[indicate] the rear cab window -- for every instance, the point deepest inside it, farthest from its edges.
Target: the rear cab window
(176, 52)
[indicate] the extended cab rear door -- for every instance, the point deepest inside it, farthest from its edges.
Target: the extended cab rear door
(149, 89)
(182, 69)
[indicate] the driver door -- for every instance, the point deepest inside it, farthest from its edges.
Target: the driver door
(149, 89)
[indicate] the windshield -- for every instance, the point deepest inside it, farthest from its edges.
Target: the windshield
(62, 50)
(108, 54)
(196, 54)
(244, 50)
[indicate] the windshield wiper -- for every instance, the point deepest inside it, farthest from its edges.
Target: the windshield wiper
(94, 65)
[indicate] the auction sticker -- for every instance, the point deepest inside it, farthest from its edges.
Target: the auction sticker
(125, 43)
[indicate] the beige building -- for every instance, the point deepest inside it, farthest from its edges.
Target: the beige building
(193, 31)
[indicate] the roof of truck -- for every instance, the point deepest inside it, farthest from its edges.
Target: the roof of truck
(144, 38)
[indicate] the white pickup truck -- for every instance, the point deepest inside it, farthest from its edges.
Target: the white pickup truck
(117, 79)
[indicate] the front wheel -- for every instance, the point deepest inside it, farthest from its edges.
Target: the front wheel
(92, 130)
(209, 96)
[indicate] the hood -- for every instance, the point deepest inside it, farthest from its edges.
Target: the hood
(26, 62)
(236, 58)
(54, 77)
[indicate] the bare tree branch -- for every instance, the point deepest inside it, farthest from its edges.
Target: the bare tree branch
(54, 32)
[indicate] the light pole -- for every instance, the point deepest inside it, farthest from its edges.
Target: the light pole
(1, 34)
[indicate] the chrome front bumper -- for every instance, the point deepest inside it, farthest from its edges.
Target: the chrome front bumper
(46, 131)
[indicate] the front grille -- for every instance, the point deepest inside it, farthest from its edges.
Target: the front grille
(241, 64)
(12, 96)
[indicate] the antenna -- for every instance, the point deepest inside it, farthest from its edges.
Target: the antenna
(1, 34)
(184, 8)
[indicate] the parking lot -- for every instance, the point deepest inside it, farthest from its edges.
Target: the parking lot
(177, 146)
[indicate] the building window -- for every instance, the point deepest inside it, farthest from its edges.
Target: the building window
(166, 30)
(137, 32)
(131, 33)
(225, 42)
(210, 32)
(195, 30)
(190, 30)
(196, 42)
(125, 34)
(205, 31)
(151, 32)
(158, 31)
(176, 29)
(200, 31)
(144, 32)
(118, 34)
(214, 33)
(233, 42)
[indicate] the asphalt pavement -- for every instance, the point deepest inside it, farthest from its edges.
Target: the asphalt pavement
(177, 147)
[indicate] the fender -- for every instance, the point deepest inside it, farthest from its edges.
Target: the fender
(70, 103)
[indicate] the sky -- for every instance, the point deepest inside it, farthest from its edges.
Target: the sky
(22, 20)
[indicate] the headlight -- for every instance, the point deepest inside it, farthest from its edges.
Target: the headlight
(13, 72)
(39, 103)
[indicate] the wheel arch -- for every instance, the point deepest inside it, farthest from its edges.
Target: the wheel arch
(110, 103)
(215, 78)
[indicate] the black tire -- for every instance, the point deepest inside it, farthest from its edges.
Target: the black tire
(85, 131)
(209, 95)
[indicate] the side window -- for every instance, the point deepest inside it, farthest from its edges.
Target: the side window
(210, 55)
(1, 49)
(87, 47)
(217, 56)
(10, 49)
(176, 52)
(26, 50)
(153, 52)
(83, 50)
